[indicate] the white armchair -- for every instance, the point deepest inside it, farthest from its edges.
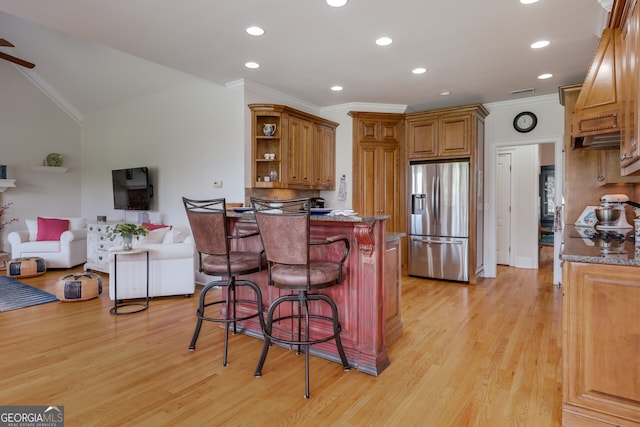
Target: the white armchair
(70, 250)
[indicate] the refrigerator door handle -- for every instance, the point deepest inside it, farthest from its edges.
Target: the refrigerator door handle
(437, 192)
(440, 242)
(433, 200)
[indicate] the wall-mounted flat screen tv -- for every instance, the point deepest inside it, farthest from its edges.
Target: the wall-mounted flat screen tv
(132, 189)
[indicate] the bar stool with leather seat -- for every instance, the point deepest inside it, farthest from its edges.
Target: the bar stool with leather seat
(285, 232)
(208, 221)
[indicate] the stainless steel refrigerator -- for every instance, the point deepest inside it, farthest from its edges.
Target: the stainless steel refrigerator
(439, 222)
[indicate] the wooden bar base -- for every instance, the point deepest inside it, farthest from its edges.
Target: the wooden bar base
(368, 300)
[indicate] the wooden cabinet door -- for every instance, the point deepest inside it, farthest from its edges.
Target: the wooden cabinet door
(378, 170)
(368, 130)
(323, 158)
(298, 149)
(601, 344)
(447, 135)
(455, 135)
(423, 137)
(389, 131)
(393, 291)
(367, 196)
(388, 183)
(629, 148)
(379, 193)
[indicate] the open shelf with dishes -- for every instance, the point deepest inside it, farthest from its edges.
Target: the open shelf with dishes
(267, 148)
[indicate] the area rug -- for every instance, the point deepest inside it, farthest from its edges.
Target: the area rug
(15, 295)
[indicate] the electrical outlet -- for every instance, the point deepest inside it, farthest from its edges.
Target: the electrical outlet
(217, 183)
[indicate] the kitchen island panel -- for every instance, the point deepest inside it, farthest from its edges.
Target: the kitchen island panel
(362, 297)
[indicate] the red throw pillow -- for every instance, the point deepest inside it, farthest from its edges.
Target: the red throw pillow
(51, 228)
(152, 227)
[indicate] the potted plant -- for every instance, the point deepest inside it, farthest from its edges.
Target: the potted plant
(127, 231)
(3, 210)
(3, 222)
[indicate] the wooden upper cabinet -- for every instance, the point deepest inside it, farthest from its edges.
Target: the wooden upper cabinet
(598, 109)
(304, 147)
(455, 135)
(629, 147)
(447, 133)
(378, 130)
(298, 149)
(323, 166)
(423, 137)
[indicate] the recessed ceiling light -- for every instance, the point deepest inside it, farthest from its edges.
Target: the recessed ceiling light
(384, 41)
(545, 76)
(255, 31)
(540, 43)
(528, 1)
(336, 88)
(336, 3)
(445, 93)
(419, 70)
(252, 64)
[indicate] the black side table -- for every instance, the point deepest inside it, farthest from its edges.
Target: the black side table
(116, 304)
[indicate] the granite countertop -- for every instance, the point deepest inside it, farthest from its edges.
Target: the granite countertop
(334, 218)
(577, 246)
(393, 235)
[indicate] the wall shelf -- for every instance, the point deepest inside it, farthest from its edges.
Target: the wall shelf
(49, 169)
(6, 183)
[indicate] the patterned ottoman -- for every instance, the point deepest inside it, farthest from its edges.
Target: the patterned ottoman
(26, 267)
(78, 287)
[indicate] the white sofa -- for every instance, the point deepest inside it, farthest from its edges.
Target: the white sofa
(69, 251)
(171, 266)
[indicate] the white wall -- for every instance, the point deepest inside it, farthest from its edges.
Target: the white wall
(499, 132)
(188, 136)
(32, 126)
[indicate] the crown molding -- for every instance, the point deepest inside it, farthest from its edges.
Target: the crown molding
(258, 89)
(269, 93)
(522, 102)
(367, 107)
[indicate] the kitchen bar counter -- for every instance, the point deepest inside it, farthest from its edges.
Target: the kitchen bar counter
(368, 299)
(579, 247)
(326, 218)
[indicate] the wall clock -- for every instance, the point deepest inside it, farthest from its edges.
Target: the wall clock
(525, 121)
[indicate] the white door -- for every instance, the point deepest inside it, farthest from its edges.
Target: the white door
(503, 208)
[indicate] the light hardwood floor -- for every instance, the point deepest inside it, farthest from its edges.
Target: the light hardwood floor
(483, 355)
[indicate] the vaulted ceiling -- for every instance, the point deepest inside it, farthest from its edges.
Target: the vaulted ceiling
(96, 53)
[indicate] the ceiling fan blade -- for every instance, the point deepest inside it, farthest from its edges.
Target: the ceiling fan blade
(4, 42)
(16, 60)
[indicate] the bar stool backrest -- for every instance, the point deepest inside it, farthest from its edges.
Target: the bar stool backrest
(208, 221)
(284, 229)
